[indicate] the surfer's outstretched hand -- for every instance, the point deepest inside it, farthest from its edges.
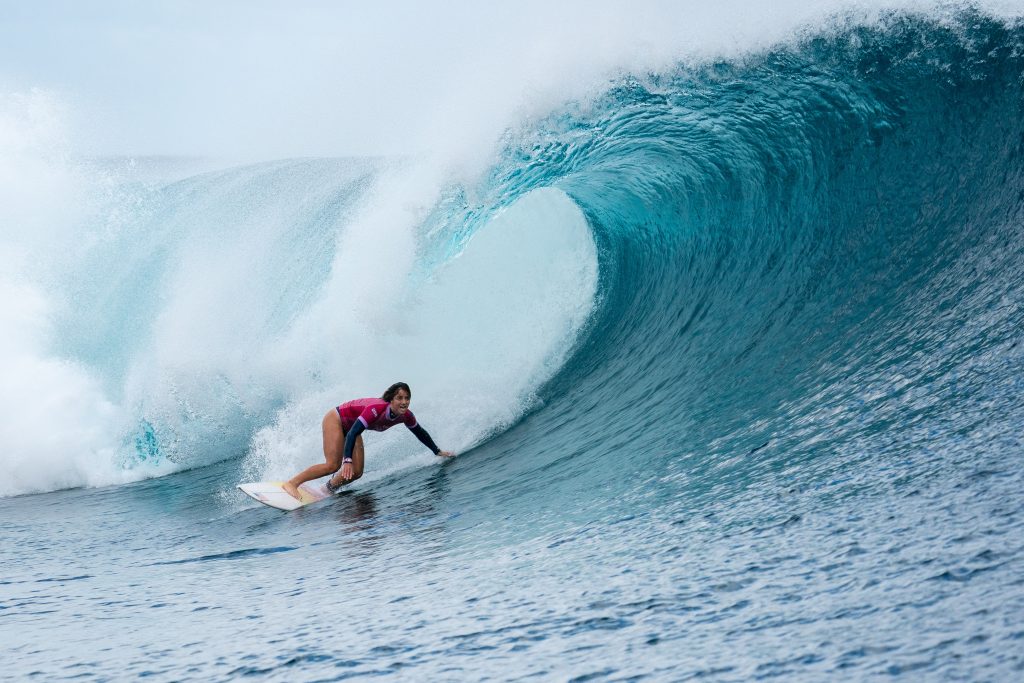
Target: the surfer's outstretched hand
(446, 454)
(346, 472)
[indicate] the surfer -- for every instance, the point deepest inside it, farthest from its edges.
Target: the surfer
(343, 441)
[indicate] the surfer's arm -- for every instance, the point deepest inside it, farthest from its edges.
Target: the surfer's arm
(425, 439)
(350, 440)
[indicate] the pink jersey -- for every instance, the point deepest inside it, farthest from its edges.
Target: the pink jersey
(374, 413)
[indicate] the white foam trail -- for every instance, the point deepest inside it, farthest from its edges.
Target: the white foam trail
(56, 426)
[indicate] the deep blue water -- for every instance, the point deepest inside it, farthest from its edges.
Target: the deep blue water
(777, 437)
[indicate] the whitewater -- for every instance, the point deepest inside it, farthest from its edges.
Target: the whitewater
(725, 325)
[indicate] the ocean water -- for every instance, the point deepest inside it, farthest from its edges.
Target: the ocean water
(730, 352)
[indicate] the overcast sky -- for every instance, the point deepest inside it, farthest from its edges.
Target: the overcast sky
(262, 78)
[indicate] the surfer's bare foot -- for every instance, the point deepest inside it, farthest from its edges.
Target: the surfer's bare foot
(292, 490)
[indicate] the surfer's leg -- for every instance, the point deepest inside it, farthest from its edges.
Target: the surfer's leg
(334, 446)
(357, 466)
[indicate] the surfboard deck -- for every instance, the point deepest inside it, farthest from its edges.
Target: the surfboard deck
(270, 493)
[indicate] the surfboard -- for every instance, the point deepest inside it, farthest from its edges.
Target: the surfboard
(270, 493)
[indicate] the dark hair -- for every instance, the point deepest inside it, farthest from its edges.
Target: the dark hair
(393, 389)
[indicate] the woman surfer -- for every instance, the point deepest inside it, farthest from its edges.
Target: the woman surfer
(343, 441)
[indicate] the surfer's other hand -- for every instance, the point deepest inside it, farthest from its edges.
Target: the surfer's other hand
(446, 454)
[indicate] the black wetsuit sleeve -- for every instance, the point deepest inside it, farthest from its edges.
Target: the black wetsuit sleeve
(425, 439)
(350, 440)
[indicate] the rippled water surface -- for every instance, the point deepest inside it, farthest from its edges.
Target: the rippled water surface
(432, 576)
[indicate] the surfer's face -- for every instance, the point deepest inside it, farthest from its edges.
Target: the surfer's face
(400, 403)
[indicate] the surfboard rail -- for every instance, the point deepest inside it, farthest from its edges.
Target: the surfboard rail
(272, 494)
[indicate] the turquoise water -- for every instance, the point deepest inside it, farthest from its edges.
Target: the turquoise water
(731, 355)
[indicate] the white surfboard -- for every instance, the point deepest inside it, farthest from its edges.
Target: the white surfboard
(270, 493)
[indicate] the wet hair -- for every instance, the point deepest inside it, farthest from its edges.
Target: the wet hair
(393, 389)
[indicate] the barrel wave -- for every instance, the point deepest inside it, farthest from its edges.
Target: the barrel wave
(731, 352)
(808, 257)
